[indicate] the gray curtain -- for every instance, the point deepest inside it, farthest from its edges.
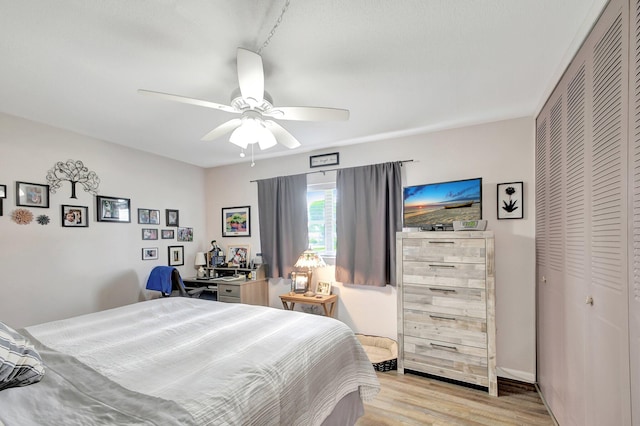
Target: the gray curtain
(282, 207)
(368, 215)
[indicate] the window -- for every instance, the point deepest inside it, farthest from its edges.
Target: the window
(321, 211)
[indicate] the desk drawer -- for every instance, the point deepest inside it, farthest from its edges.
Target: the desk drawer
(227, 290)
(226, 299)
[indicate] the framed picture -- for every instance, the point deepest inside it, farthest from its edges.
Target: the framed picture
(176, 256)
(75, 216)
(323, 160)
(323, 288)
(113, 209)
(299, 282)
(172, 217)
(3, 195)
(143, 215)
(150, 253)
(236, 221)
(185, 234)
(148, 216)
(238, 256)
(149, 234)
(154, 217)
(510, 200)
(167, 234)
(32, 195)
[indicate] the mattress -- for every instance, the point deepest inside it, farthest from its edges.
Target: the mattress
(194, 362)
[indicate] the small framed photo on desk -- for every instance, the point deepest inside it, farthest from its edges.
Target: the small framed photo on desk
(323, 288)
(299, 282)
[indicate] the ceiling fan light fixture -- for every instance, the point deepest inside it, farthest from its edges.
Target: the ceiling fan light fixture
(241, 136)
(266, 139)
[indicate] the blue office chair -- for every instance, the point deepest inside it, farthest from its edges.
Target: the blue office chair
(167, 280)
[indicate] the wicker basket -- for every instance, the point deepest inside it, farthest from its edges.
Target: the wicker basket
(381, 351)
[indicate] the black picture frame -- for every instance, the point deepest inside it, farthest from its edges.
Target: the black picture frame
(175, 256)
(510, 200)
(32, 195)
(149, 217)
(149, 234)
(323, 160)
(236, 221)
(172, 217)
(300, 282)
(74, 216)
(3, 195)
(167, 234)
(113, 209)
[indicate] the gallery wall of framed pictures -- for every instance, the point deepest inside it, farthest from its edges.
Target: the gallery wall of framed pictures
(108, 209)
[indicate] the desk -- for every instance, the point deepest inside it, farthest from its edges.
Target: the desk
(250, 292)
(328, 303)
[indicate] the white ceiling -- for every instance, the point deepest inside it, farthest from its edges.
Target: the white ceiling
(401, 67)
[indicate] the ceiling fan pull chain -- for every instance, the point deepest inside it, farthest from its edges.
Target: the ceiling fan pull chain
(273, 30)
(253, 163)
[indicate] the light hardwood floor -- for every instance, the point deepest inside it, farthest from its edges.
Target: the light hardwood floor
(415, 400)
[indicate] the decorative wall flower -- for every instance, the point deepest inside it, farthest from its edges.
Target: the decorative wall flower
(22, 216)
(43, 219)
(511, 206)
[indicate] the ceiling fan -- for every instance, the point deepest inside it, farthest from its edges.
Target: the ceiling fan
(255, 106)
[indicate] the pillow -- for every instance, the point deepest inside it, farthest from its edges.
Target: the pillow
(20, 363)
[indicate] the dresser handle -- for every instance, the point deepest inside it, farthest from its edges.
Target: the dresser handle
(447, 348)
(442, 290)
(441, 242)
(442, 318)
(228, 290)
(441, 266)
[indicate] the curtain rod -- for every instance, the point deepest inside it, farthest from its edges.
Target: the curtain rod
(339, 168)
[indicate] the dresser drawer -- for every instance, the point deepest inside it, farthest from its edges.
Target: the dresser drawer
(470, 275)
(227, 290)
(447, 328)
(458, 362)
(463, 302)
(453, 250)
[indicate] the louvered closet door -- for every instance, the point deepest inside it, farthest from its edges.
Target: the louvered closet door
(581, 238)
(609, 403)
(634, 243)
(550, 288)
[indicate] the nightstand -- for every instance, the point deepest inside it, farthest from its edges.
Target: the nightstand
(328, 303)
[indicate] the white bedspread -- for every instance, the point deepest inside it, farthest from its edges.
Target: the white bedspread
(224, 363)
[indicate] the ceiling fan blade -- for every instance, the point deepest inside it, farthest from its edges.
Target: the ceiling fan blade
(308, 113)
(222, 129)
(184, 100)
(282, 136)
(250, 75)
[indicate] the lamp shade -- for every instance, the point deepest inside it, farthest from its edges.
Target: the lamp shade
(200, 259)
(310, 259)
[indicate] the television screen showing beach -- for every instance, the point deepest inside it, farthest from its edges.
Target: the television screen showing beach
(442, 203)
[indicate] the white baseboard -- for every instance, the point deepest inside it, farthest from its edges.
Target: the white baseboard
(521, 376)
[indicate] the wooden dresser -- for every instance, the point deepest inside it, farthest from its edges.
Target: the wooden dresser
(446, 305)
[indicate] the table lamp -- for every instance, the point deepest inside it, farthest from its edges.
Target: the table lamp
(201, 260)
(309, 259)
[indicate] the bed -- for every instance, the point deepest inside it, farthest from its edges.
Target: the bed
(188, 361)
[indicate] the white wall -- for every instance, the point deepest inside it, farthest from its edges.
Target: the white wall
(50, 272)
(498, 152)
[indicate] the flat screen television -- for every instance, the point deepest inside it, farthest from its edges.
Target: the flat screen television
(437, 205)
